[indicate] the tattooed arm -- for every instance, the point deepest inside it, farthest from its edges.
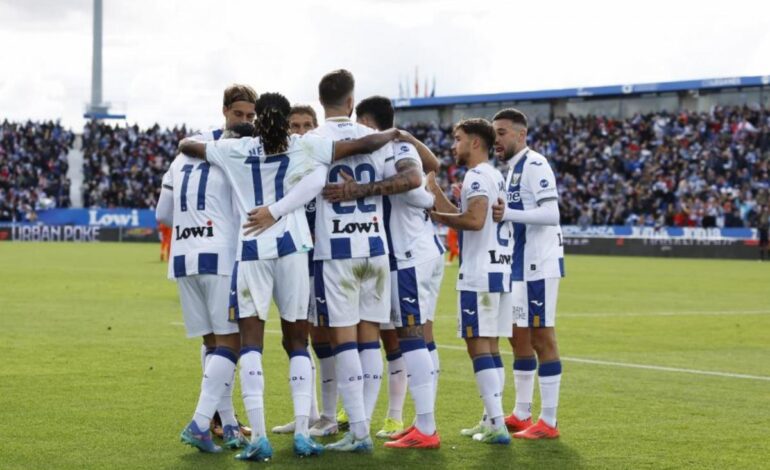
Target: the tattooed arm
(408, 176)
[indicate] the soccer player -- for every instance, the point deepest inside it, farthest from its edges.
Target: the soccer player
(538, 265)
(261, 170)
(303, 119)
(417, 267)
(484, 298)
(196, 201)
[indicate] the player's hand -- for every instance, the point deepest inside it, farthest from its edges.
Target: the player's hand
(406, 136)
(338, 192)
(498, 210)
(260, 219)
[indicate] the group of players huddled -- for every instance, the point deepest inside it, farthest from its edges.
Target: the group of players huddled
(335, 224)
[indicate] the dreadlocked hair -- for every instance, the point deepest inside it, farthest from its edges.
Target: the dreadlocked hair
(273, 122)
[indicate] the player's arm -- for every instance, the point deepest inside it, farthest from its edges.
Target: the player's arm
(164, 211)
(430, 161)
(471, 219)
(262, 218)
(420, 197)
(408, 176)
(442, 203)
(546, 213)
(193, 148)
(367, 144)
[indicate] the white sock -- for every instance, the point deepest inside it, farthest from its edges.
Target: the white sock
(217, 380)
(204, 356)
(253, 389)
(328, 380)
(300, 372)
(314, 416)
(524, 380)
(488, 382)
(436, 368)
(500, 373)
(347, 365)
(549, 377)
(396, 385)
(225, 407)
(419, 364)
(372, 368)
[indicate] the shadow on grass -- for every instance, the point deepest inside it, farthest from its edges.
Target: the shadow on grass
(520, 454)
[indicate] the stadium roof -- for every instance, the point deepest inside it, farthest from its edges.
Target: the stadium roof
(587, 92)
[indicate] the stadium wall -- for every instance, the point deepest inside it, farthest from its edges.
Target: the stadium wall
(138, 225)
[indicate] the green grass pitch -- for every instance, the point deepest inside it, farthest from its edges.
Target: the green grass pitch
(95, 370)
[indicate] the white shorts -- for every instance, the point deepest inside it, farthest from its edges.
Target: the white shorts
(484, 314)
(204, 304)
(414, 293)
(534, 302)
(256, 283)
(352, 290)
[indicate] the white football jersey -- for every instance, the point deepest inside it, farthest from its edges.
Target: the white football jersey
(411, 233)
(204, 230)
(485, 255)
(538, 251)
(260, 180)
(352, 229)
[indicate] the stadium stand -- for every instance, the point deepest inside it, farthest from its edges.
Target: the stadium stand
(123, 166)
(691, 169)
(33, 168)
(688, 169)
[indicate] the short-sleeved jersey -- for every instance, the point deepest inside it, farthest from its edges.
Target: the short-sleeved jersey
(485, 255)
(351, 229)
(204, 229)
(411, 233)
(538, 251)
(259, 180)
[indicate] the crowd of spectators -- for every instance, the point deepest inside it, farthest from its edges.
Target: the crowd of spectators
(123, 166)
(687, 169)
(691, 169)
(33, 168)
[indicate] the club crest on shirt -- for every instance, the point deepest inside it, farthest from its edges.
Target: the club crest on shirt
(515, 179)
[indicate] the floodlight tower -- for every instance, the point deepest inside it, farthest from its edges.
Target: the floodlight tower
(98, 109)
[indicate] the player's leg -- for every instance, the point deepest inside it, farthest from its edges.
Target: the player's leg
(373, 275)
(413, 303)
(249, 303)
(524, 361)
(327, 424)
(197, 323)
(291, 300)
(339, 305)
(434, 289)
(479, 320)
(542, 295)
(396, 373)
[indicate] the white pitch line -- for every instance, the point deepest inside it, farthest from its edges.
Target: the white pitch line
(641, 366)
(610, 363)
(666, 314)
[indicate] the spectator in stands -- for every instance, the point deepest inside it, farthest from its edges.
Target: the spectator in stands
(33, 168)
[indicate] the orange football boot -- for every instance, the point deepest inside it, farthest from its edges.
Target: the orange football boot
(539, 430)
(515, 424)
(416, 440)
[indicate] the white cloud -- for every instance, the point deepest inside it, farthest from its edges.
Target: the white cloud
(169, 61)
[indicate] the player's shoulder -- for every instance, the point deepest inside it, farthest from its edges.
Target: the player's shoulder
(404, 150)
(536, 159)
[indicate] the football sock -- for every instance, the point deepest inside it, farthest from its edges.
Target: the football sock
(500, 372)
(314, 415)
(347, 366)
(371, 366)
(488, 383)
(253, 389)
(300, 373)
(419, 366)
(524, 380)
(323, 352)
(436, 367)
(217, 380)
(396, 385)
(549, 377)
